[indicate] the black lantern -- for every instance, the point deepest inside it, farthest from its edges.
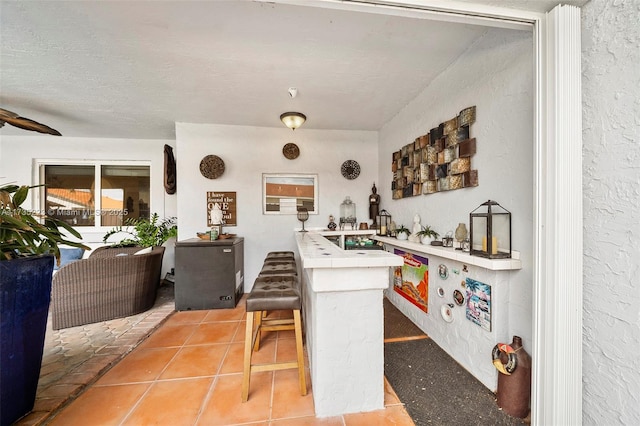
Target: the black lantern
(383, 220)
(490, 231)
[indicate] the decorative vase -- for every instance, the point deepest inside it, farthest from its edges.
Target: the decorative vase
(402, 236)
(426, 240)
(514, 390)
(461, 232)
(461, 235)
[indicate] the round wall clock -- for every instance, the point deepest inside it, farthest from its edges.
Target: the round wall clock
(212, 167)
(291, 151)
(350, 169)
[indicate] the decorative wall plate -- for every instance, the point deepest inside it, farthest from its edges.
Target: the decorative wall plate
(291, 151)
(440, 291)
(458, 296)
(350, 169)
(212, 167)
(446, 311)
(443, 271)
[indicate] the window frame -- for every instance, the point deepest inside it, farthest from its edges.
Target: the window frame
(266, 177)
(39, 195)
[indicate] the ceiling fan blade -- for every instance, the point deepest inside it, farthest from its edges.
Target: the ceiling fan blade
(25, 123)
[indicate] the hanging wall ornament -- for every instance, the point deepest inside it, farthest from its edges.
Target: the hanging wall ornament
(291, 151)
(350, 169)
(169, 171)
(212, 167)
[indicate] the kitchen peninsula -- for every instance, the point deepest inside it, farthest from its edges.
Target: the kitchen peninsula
(344, 323)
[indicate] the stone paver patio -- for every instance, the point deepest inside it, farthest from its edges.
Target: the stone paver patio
(77, 356)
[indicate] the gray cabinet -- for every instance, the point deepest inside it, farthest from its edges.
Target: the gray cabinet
(209, 274)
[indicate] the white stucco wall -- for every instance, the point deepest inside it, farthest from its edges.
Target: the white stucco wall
(496, 75)
(248, 152)
(611, 132)
(20, 152)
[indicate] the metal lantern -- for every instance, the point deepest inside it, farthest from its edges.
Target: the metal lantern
(490, 231)
(383, 219)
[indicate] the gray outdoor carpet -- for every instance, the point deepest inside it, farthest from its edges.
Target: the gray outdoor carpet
(397, 326)
(436, 390)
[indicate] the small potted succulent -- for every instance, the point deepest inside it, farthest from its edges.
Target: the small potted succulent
(427, 235)
(402, 233)
(28, 245)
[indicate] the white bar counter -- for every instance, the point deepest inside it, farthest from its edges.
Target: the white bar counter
(344, 323)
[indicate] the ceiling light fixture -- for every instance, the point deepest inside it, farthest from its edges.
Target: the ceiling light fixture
(293, 120)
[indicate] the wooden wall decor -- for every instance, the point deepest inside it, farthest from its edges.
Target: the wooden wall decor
(437, 161)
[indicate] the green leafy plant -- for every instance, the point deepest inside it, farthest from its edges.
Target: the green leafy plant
(426, 231)
(403, 230)
(145, 232)
(26, 233)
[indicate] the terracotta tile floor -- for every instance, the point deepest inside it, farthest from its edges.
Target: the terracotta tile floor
(189, 372)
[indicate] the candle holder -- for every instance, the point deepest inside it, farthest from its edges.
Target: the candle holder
(383, 220)
(303, 216)
(490, 231)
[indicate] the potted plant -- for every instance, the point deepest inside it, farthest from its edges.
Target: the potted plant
(427, 235)
(152, 232)
(145, 232)
(28, 245)
(402, 233)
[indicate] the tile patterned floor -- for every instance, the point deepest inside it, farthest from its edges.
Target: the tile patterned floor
(189, 371)
(75, 357)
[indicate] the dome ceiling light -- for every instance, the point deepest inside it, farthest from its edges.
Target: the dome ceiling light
(293, 120)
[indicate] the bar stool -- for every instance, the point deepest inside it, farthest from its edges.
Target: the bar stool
(279, 292)
(280, 255)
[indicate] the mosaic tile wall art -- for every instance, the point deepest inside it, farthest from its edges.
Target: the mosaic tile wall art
(437, 161)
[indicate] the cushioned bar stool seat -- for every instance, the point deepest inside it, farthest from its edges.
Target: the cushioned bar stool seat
(279, 260)
(278, 268)
(281, 255)
(272, 293)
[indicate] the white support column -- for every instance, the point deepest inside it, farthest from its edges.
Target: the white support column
(557, 389)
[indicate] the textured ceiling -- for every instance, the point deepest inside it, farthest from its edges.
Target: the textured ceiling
(131, 69)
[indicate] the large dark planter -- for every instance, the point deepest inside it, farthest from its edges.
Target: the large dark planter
(25, 292)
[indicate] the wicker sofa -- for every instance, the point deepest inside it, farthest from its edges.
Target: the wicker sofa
(110, 283)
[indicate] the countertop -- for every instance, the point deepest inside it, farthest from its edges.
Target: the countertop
(457, 255)
(199, 242)
(318, 252)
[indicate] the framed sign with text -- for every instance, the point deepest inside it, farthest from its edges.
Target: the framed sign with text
(227, 203)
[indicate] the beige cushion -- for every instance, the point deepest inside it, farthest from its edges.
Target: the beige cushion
(144, 251)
